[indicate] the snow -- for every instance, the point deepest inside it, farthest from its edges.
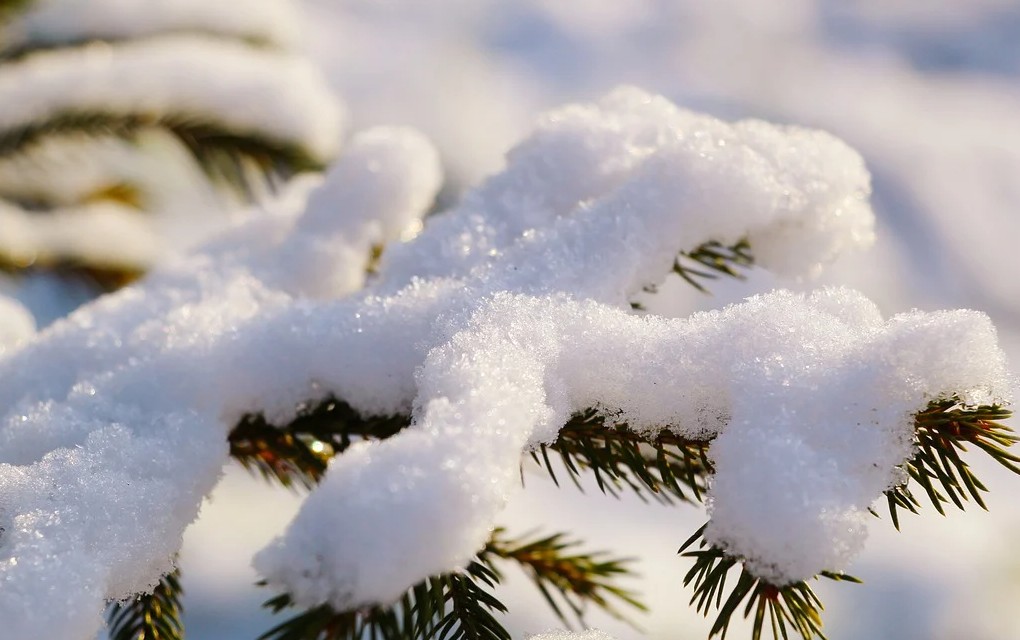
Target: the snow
(183, 79)
(588, 167)
(55, 22)
(382, 186)
(503, 316)
(925, 91)
(928, 94)
(808, 448)
(95, 410)
(763, 377)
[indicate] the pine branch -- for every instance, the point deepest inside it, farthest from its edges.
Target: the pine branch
(323, 623)
(790, 608)
(471, 606)
(710, 261)
(564, 576)
(713, 260)
(298, 453)
(444, 606)
(249, 161)
(152, 616)
(248, 164)
(460, 605)
(941, 432)
(102, 275)
(665, 467)
(454, 606)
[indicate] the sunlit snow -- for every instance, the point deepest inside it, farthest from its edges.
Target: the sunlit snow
(505, 314)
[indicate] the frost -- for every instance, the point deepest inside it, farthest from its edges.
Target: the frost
(503, 316)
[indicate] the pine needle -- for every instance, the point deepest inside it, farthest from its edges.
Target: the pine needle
(152, 616)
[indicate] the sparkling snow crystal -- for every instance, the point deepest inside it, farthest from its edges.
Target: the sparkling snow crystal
(504, 316)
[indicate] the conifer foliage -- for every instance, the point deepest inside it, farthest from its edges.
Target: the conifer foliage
(401, 369)
(665, 468)
(149, 616)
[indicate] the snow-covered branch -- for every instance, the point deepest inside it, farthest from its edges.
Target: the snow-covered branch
(130, 130)
(185, 80)
(503, 317)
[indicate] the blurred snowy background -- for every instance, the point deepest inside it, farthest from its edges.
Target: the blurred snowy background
(929, 93)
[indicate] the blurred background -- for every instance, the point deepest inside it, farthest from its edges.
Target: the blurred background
(211, 106)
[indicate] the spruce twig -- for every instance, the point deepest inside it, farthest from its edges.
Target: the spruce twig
(563, 575)
(151, 616)
(709, 261)
(389, 623)
(460, 605)
(665, 467)
(472, 606)
(713, 260)
(445, 606)
(245, 163)
(941, 432)
(790, 608)
(297, 453)
(454, 606)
